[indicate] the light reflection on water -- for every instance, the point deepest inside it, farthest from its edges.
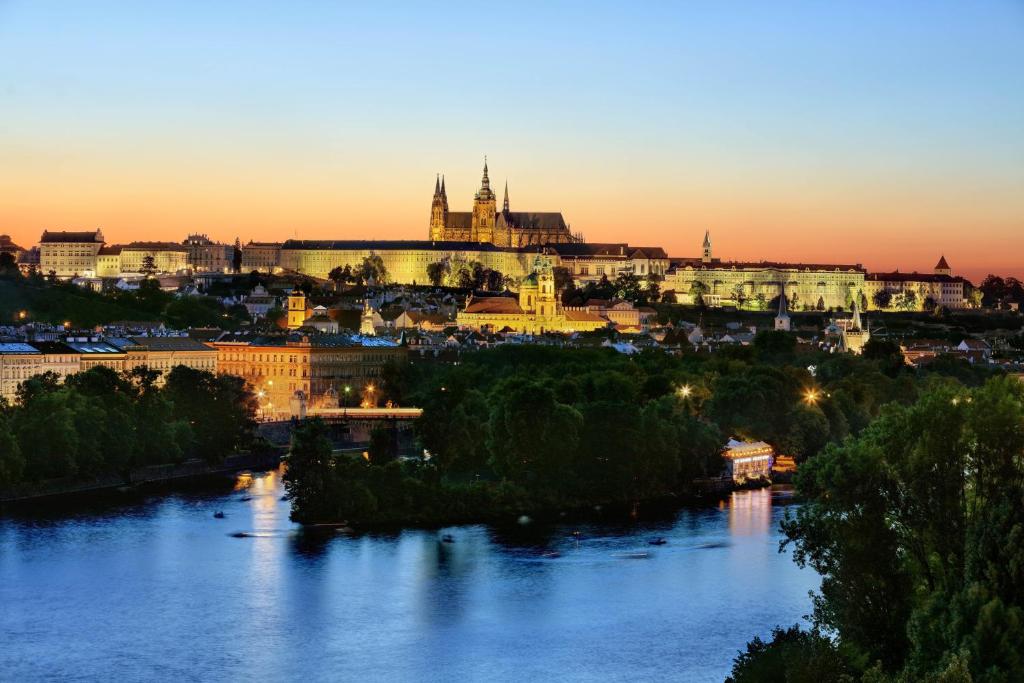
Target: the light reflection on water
(158, 588)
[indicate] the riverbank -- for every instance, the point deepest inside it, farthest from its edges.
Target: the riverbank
(392, 498)
(189, 470)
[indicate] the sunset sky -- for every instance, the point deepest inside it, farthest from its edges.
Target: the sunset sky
(884, 133)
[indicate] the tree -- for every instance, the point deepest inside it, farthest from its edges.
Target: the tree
(774, 343)
(236, 256)
(791, 656)
(9, 266)
(908, 524)
(373, 267)
(12, 464)
(383, 444)
(739, 294)
(563, 278)
(627, 286)
(533, 437)
(148, 265)
(886, 353)
(310, 477)
(341, 275)
(669, 297)
(438, 272)
(220, 409)
(906, 301)
(882, 299)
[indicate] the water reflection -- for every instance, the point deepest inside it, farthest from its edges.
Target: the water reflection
(750, 512)
(579, 599)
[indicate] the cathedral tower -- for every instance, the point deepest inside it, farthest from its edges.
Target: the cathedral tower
(706, 258)
(485, 209)
(438, 212)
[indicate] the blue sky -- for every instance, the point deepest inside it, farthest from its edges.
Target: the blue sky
(896, 127)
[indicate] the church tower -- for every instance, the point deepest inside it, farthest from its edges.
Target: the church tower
(782, 321)
(942, 267)
(438, 212)
(296, 309)
(706, 258)
(485, 209)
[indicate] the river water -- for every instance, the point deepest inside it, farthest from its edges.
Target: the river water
(156, 588)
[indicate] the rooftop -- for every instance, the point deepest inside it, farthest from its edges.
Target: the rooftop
(71, 236)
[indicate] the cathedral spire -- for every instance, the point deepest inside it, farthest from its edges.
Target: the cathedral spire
(442, 186)
(506, 197)
(437, 186)
(485, 182)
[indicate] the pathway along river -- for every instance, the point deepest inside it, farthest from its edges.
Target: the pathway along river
(156, 588)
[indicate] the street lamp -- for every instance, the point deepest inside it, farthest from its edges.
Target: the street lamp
(811, 396)
(685, 391)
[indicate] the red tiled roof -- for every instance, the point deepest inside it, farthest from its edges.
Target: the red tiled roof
(494, 304)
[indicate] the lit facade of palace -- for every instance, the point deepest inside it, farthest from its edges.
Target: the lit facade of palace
(537, 310)
(589, 262)
(318, 365)
(69, 253)
(405, 261)
(940, 286)
(505, 228)
(807, 286)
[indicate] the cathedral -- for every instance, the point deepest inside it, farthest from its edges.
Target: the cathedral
(505, 228)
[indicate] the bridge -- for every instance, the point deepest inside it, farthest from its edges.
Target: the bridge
(348, 426)
(400, 414)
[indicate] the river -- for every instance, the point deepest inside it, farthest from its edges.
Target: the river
(155, 588)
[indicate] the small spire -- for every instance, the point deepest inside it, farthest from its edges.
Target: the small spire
(707, 238)
(506, 195)
(856, 323)
(485, 181)
(437, 185)
(442, 185)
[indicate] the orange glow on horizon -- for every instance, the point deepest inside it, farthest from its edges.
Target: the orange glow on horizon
(882, 228)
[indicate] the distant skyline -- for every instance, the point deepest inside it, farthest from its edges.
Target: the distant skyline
(878, 133)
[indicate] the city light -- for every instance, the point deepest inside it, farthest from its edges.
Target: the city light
(811, 396)
(685, 391)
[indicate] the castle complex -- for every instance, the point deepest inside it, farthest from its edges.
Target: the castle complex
(485, 223)
(521, 246)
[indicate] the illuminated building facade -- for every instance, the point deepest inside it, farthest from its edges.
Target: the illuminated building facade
(167, 257)
(808, 286)
(18, 362)
(927, 290)
(537, 310)
(319, 365)
(505, 228)
(263, 257)
(203, 255)
(589, 262)
(405, 261)
(748, 461)
(69, 253)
